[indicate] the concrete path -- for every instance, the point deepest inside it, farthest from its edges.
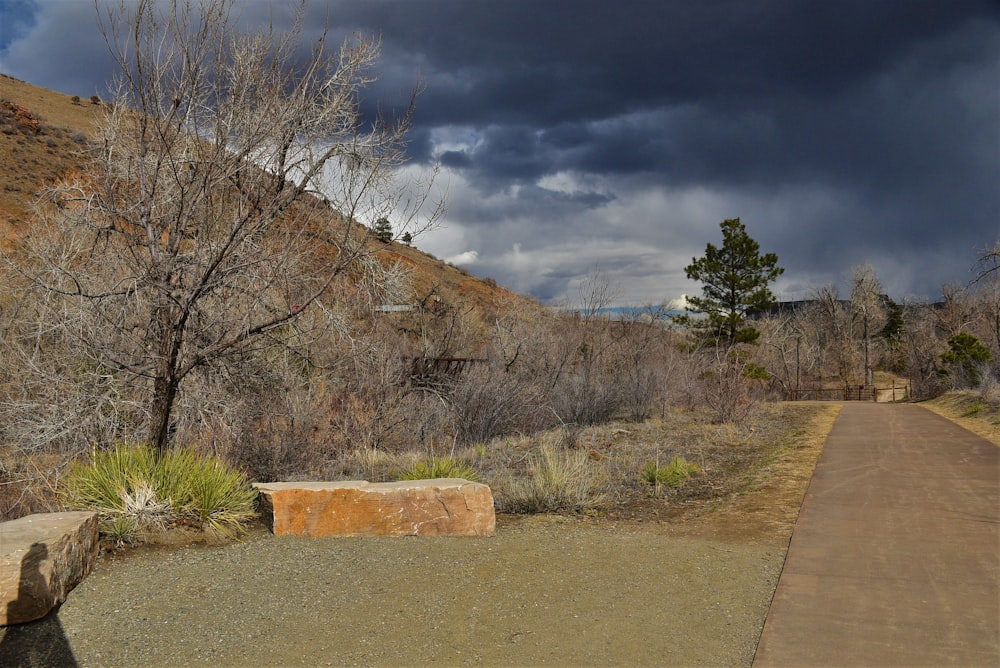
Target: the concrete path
(895, 557)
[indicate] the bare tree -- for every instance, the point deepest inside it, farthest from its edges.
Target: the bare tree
(989, 262)
(866, 301)
(955, 310)
(987, 311)
(836, 334)
(782, 336)
(227, 192)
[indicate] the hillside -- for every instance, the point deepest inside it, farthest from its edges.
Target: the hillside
(44, 135)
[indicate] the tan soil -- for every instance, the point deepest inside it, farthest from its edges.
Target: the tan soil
(970, 410)
(692, 590)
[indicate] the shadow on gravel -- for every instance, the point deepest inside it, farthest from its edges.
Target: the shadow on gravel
(36, 644)
(39, 643)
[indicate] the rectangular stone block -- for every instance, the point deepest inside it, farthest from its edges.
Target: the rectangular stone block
(438, 507)
(42, 557)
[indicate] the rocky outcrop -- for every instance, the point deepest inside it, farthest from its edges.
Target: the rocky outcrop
(42, 557)
(438, 507)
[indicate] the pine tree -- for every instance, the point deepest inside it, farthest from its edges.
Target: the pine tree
(966, 356)
(734, 281)
(383, 230)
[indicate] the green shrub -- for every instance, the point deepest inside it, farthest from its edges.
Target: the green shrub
(121, 529)
(134, 492)
(440, 467)
(672, 475)
(975, 408)
(219, 496)
(557, 480)
(104, 484)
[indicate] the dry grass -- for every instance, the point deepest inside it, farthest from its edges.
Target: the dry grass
(598, 471)
(769, 503)
(30, 156)
(978, 414)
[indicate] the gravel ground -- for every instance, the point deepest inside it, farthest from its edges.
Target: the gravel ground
(544, 590)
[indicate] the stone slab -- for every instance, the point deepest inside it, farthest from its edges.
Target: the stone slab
(42, 558)
(437, 507)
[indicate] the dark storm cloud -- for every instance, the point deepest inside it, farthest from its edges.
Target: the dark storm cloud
(890, 106)
(576, 132)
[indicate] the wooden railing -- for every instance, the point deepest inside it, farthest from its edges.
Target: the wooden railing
(894, 392)
(427, 371)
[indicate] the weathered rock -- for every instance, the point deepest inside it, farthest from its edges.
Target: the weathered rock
(439, 507)
(42, 557)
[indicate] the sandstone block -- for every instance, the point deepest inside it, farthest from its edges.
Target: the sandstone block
(439, 507)
(42, 557)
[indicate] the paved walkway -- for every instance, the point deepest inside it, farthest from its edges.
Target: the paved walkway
(895, 557)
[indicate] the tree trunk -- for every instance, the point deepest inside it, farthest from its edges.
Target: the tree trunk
(161, 408)
(868, 366)
(168, 328)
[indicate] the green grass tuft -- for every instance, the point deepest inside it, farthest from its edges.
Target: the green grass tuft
(672, 475)
(975, 408)
(440, 467)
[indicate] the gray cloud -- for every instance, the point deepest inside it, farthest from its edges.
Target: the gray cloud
(575, 135)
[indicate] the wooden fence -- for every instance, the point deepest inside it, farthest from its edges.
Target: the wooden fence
(894, 392)
(430, 371)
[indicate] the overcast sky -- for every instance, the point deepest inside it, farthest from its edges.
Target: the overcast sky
(583, 134)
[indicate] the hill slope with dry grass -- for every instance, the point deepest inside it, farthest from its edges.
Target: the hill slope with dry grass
(44, 136)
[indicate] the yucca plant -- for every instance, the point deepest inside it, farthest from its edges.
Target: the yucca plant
(173, 476)
(103, 483)
(133, 491)
(219, 496)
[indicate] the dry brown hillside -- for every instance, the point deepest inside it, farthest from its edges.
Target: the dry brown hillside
(43, 136)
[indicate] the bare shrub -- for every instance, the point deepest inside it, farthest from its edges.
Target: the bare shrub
(488, 402)
(646, 360)
(989, 386)
(28, 482)
(728, 384)
(281, 437)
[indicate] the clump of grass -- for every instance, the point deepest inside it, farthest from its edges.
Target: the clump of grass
(974, 408)
(371, 464)
(674, 474)
(558, 480)
(134, 492)
(440, 467)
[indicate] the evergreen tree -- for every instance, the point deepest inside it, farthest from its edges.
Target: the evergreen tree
(383, 230)
(966, 356)
(734, 281)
